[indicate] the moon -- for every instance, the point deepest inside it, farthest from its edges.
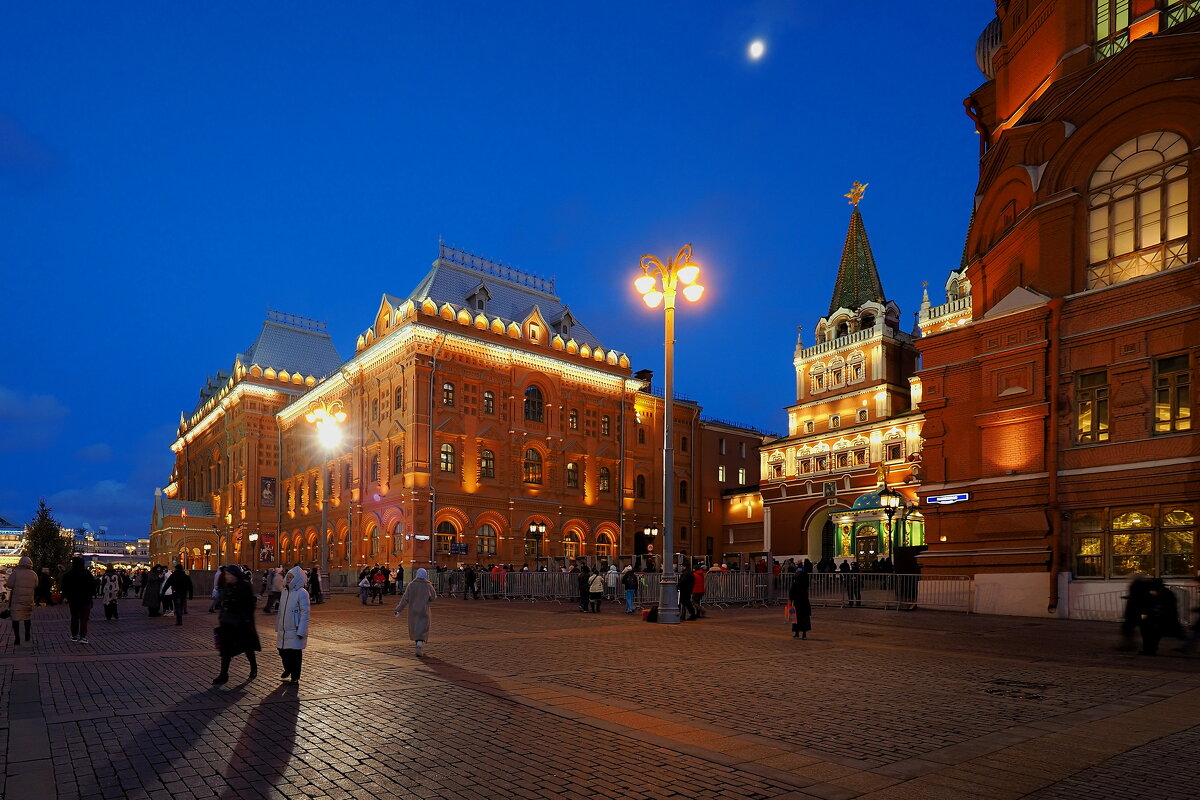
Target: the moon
(756, 49)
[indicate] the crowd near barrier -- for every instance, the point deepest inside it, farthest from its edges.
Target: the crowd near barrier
(730, 589)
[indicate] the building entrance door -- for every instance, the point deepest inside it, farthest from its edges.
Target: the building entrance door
(865, 549)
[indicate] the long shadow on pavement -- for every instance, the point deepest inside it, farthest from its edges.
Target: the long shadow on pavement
(265, 746)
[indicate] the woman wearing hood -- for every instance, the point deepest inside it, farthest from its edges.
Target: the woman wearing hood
(291, 623)
(22, 586)
(417, 596)
(150, 596)
(236, 632)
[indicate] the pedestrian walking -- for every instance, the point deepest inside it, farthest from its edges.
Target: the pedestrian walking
(686, 581)
(377, 585)
(235, 631)
(218, 580)
(150, 592)
(470, 582)
(629, 581)
(275, 584)
(79, 589)
(45, 587)
(179, 584)
(139, 578)
(581, 583)
(364, 588)
(800, 608)
(22, 593)
(291, 624)
(314, 586)
(417, 597)
(698, 589)
(1158, 616)
(110, 592)
(595, 590)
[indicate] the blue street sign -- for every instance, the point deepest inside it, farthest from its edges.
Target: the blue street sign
(947, 499)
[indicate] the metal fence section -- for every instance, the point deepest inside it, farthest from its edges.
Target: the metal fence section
(1110, 606)
(727, 589)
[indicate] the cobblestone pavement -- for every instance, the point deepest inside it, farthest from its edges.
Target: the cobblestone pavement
(539, 701)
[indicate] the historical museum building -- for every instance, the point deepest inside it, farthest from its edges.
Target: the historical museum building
(478, 420)
(852, 433)
(1059, 444)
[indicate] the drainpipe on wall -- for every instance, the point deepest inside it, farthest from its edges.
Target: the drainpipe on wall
(432, 483)
(1052, 508)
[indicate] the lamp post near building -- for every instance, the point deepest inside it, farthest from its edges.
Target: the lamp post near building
(253, 539)
(207, 550)
(658, 285)
(890, 500)
(327, 418)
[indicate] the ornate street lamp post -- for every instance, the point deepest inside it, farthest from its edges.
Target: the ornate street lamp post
(657, 285)
(253, 539)
(327, 418)
(207, 550)
(890, 500)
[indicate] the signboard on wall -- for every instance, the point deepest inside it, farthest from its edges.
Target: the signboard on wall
(266, 548)
(266, 492)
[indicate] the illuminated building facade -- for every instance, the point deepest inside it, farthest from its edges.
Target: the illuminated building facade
(852, 432)
(1063, 406)
(484, 422)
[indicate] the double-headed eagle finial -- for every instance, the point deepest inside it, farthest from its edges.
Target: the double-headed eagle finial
(856, 192)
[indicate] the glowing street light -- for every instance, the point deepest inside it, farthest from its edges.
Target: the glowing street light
(207, 550)
(327, 418)
(658, 285)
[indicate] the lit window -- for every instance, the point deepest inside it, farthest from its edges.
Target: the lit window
(721, 473)
(835, 421)
(489, 402)
(571, 547)
(1112, 27)
(860, 457)
(821, 463)
(605, 425)
(894, 451)
(485, 540)
(842, 460)
(605, 480)
(572, 475)
(1172, 395)
(444, 536)
(447, 458)
(573, 420)
(1091, 408)
(862, 415)
(535, 333)
(776, 470)
(534, 405)
(1137, 210)
(604, 546)
(810, 426)
(487, 464)
(741, 476)
(447, 394)
(532, 466)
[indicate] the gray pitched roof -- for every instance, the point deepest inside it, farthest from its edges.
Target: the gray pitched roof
(513, 294)
(295, 345)
(172, 508)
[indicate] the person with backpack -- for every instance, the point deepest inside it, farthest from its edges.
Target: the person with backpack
(596, 590)
(629, 582)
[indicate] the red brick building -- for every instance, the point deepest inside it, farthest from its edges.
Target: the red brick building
(1063, 407)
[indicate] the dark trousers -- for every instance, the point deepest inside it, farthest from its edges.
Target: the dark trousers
(596, 598)
(688, 611)
(79, 618)
(471, 588)
(110, 610)
(249, 657)
(272, 601)
(584, 597)
(17, 629)
(698, 603)
(292, 661)
(180, 609)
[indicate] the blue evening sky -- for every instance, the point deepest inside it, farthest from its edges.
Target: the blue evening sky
(168, 171)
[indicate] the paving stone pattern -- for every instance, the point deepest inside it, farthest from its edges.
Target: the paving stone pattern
(539, 701)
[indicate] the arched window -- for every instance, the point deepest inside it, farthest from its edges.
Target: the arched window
(398, 460)
(447, 457)
(866, 321)
(571, 546)
(837, 372)
(397, 539)
(534, 405)
(447, 394)
(489, 402)
(485, 540)
(605, 480)
(532, 466)
(572, 475)
(683, 491)
(445, 535)
(817, 375)
(842, 329)
(487, 464)
(604, 546)
(1137, 210)
(639, 486)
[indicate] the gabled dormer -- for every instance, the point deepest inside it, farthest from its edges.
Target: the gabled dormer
(478, 299)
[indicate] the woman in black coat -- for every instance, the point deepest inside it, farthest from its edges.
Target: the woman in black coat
(236, 633)
(798, 594)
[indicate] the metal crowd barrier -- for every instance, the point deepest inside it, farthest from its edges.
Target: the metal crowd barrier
(725, 589)
(1110, 606)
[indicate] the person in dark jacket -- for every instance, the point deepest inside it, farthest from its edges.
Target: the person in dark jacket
(180, 584)
(314, 586)
(153, 583)
(629, 582)
(45, 588)
(1158, 616)
(798, 595)
(78, 588)
(687, 580)
(470, 582)
(581, 583)
(236, 633)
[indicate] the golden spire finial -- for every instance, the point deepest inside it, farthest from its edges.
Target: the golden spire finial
(856, 193)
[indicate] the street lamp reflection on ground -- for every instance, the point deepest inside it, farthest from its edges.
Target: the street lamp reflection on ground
(658, 285)
(328, 419)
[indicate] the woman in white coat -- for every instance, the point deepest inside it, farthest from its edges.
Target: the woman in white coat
(417, 597)
(291, 623)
